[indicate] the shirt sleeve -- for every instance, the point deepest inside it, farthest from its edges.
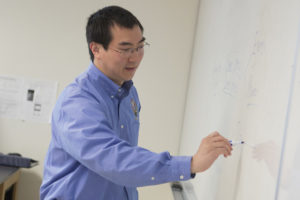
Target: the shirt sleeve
(84, 132)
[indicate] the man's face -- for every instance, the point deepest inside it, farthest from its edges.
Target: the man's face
(114, 62)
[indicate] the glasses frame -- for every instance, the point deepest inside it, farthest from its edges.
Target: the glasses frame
(127, 53)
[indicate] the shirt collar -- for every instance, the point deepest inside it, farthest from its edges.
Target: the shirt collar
(110, 87)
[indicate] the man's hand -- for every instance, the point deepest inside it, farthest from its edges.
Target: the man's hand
(209, 150)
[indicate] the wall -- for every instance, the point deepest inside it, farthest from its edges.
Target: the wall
(46, 40)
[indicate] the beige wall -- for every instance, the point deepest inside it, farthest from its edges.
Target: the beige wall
(46, 40)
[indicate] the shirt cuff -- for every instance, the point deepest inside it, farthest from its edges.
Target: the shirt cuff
(181, 168)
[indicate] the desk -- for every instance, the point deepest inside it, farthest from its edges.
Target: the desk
(9, 177)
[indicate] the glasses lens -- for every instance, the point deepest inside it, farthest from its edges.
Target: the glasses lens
(139, 50)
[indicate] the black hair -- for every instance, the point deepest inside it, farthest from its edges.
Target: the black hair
(98, 28)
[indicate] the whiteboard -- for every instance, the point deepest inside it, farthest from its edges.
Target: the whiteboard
(245, 83)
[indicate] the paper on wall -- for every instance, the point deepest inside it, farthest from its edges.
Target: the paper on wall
(27, 99)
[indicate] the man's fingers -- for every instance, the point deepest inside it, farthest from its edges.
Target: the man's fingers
(216, 137)
(222, 151)
(211, 147)
(214, 134)
(218, 141)
(223, 143)
(221, 147)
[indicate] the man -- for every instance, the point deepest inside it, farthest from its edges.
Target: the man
(93, 154)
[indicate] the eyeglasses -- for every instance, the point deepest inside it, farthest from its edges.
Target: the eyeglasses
(126, 53)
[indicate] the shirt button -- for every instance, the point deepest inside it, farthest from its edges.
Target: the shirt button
(112, 96)
(181, 177)
(152, 178)
(120, 90)
(122, 126)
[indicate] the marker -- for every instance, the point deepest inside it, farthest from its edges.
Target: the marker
(233, 143)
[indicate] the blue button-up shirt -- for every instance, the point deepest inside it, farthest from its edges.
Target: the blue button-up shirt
(93, 154)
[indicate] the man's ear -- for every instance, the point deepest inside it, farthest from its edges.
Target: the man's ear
(96, 49)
